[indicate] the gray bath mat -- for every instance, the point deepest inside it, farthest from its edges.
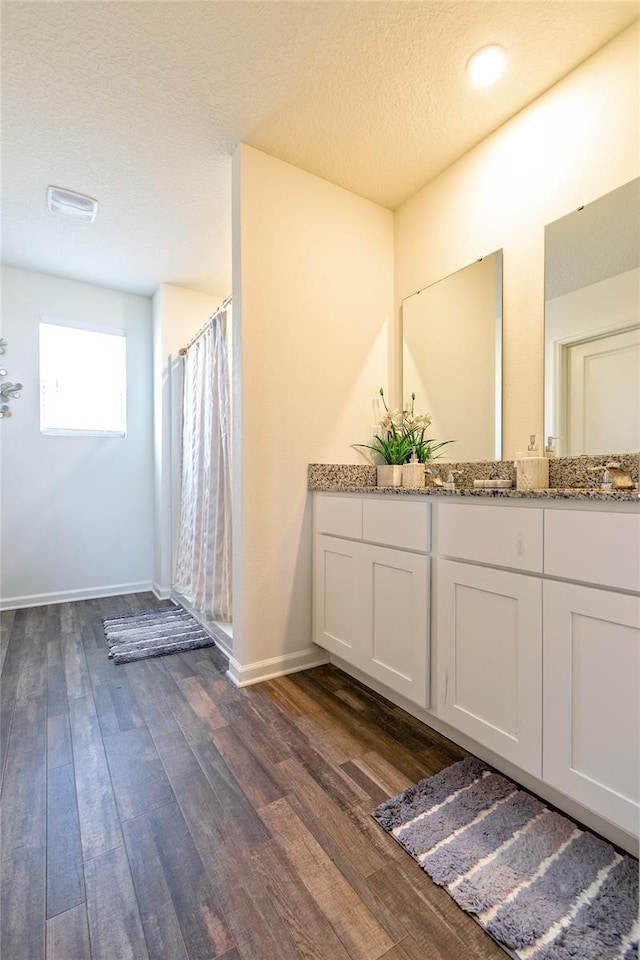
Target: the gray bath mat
(539, 885)
(153, 633)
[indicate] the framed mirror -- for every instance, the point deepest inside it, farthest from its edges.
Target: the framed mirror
(452, 358)
(592, 326)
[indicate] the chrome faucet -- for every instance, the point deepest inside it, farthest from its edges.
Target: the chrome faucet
(450, 482)
(620, 478)
(436, 479)
(607, 479)
(613, 476)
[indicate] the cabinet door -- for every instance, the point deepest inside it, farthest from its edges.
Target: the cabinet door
(395, 620)
(337, 597)
(591, 690)
(489, 638)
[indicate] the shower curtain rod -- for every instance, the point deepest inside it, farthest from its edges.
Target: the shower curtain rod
(183, 351)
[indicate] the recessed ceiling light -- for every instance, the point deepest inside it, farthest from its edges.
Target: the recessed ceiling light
(71, 204)
(487, 65)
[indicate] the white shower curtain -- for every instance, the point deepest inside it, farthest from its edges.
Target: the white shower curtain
(203, 564)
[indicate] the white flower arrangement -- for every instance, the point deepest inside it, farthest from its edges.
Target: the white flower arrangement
(403, 433)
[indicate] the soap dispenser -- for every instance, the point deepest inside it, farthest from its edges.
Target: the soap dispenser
(532, 470)
(550, 450)
(413, 474)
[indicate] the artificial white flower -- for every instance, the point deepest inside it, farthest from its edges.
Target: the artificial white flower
(403, 433)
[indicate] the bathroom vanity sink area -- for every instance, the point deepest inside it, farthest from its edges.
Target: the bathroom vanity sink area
(508, 622)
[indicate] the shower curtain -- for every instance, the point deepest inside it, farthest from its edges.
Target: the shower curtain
(203, 563)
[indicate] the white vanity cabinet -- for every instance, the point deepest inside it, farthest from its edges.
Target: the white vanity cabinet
(371, 588)
(536, 632)
(539, 668)
(489, 628)
(592, 662)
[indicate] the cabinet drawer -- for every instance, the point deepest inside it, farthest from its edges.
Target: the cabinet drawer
(397, 523)
(501, 536)
(602, 548)
(338, 516)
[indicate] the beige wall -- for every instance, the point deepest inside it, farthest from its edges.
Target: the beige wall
(575, 143)
(313, 291)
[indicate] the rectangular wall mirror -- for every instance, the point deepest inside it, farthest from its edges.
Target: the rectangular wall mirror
(592, 326)
(452, 358)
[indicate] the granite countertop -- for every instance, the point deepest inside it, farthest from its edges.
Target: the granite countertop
(570, 479)
(553, 493)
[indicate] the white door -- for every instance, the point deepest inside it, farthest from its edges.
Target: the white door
(489, 639)
(337, 597)
(591, 692)
(395, 620)
(603, 394)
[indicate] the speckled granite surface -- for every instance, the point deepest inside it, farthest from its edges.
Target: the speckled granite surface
(574, 471)
(569, 478)
(328, 476)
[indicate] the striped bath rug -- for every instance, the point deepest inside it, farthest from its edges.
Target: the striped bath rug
(153, 633)
(539, 885)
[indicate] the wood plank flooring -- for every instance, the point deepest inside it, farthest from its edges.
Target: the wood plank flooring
(153, 811)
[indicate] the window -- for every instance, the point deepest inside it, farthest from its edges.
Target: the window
(82, 380)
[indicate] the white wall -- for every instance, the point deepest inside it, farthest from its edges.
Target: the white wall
(605, 307)
(178, 313)
(312, 292)
(76, 511)
(578, 141)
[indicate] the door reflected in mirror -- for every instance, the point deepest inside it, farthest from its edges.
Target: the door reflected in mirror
(452, 358)
(592, 326)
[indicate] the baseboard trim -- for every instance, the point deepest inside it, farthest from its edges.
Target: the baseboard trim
(162, 593)
(223, 641)
(243, 675)
(70, 596)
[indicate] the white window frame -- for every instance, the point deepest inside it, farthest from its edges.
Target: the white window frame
(92, 328)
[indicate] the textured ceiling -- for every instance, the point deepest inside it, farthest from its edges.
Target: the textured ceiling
(140, 104)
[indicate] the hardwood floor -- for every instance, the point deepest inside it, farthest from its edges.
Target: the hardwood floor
(152, 810)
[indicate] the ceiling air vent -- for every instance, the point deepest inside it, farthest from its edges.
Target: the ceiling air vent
(71, 204)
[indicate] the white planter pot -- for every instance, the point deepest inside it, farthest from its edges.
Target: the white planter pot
(390, 475)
